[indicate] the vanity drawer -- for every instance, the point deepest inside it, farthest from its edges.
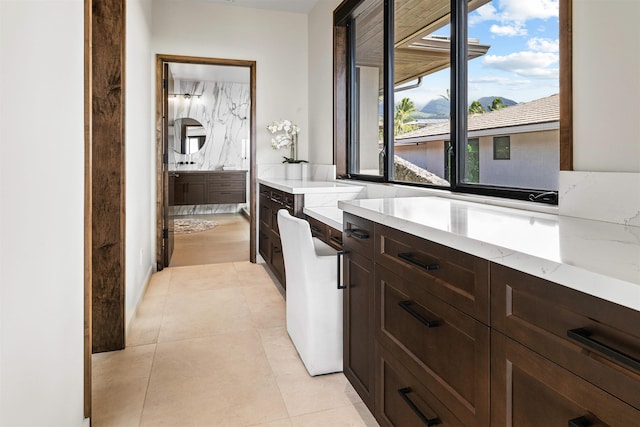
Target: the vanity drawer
(318, 228)
(458, 278)
(226, 196)
(593, 338)
(402, 400)
(447, 350)
(220, 177)
(357, 235)
(529, 391)
(334, 238)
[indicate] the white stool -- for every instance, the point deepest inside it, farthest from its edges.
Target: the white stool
(314, 302)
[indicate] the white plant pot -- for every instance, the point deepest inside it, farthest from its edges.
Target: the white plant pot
(293, 170)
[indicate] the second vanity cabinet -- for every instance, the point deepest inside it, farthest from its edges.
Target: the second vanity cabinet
(435, 336)
(209, 187)
(269, 244)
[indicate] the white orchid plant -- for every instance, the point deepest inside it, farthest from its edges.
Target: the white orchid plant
(286, 135)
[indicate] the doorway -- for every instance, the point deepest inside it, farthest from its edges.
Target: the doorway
(214, 148)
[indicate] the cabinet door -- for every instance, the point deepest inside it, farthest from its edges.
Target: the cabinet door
(358, 325)
(445, 349)
(529, 390)
(194, 195)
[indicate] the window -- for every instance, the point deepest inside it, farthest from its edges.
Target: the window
(501, 148)
(412, 75)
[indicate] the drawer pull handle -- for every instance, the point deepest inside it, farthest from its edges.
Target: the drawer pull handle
(336, 240)
(406, 306)
(408, 256)
(277, 249)
(584, 337)
(403, 392)
(339, 276)
(579, 422)
(358, 234)
(315, 229)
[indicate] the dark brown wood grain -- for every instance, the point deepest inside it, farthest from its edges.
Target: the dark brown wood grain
(529, 390)
(566, 85)
(108, 174)
(340, 120)
(538, 313)
(358, 309)
(88, 217)
(451, 357)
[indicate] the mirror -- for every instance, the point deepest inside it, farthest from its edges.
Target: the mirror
(189, 135)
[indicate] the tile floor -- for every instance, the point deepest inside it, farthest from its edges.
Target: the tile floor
(209, 347)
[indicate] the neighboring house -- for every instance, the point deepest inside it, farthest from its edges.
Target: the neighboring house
(516, 145)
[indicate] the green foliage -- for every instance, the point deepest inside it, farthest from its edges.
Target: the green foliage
(476, 108)
(404, 109)
(496, 104)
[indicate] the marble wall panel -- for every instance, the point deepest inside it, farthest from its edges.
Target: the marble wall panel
(223, 109)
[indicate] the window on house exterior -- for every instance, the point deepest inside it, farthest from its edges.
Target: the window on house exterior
(501, 148)
(459, 71)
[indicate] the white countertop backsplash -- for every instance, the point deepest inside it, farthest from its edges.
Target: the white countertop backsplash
(599, 258)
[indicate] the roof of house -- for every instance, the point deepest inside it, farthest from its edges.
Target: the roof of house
(543, 110)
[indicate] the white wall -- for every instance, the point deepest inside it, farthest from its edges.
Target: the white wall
(321, 82)
(41, 216)
(139, 154)
(606, 85)
(276, 40)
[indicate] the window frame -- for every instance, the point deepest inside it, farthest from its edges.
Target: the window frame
(344, 67)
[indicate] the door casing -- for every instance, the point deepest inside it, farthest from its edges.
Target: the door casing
(160, 193)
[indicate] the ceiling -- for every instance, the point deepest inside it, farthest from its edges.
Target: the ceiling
(209, 73)
(299, 6)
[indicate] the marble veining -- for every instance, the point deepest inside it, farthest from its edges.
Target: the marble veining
(595, 257)
(603, 196)
(224, 111)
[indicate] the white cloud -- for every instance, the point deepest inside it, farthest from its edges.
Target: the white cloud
(513, 15)
(521, 10)
(502, 81)
(484, 13)
(543, 45)
(508, 30)
(529, 64)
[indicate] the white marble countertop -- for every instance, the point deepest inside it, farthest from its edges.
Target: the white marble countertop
(329, 215)
(598, 258)
(303, 186)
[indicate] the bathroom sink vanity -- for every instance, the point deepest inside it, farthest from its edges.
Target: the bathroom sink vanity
(208, 187)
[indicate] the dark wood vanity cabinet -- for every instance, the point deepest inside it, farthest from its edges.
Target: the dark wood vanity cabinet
(326, 233)
(209, 187)
(358, 307)
(456, 340)
(431, 316)
(578, 355)
(189, 189)
(271, 201)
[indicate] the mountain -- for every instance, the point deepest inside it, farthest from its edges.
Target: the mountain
(436, 108)
(439, 107)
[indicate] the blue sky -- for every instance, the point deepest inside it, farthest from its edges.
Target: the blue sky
(522, 62)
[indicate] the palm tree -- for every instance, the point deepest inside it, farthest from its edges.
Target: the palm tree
(496, 104)
(404, 109)
(476, 108)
